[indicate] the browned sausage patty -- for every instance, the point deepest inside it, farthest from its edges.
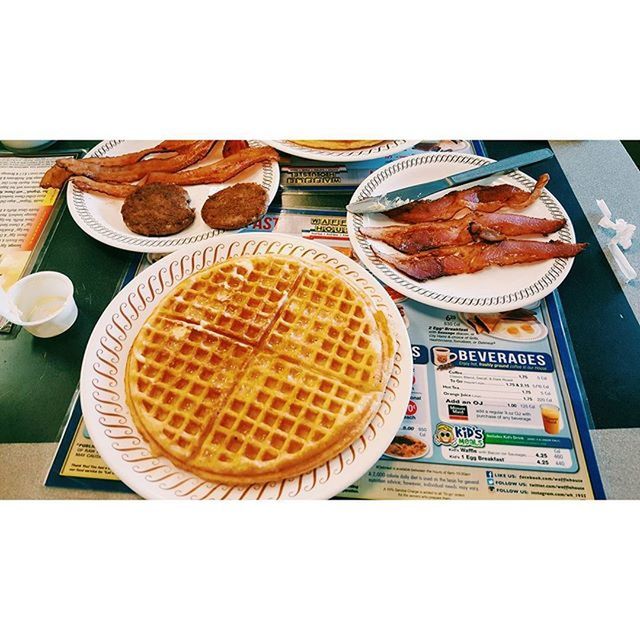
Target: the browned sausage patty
(158, 210)
(235, 207)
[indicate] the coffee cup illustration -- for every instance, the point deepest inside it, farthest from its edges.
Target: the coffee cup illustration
(443, 355)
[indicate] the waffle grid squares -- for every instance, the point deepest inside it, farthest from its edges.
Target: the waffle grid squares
(282, 417)
(183, 396)
(307, 332)
(248, 366)
(238, 300)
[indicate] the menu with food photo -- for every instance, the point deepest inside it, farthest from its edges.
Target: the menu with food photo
(25, 215)
(490, 415)
(485, 395)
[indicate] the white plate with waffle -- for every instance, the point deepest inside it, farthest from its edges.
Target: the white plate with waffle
(100, 216)
(342, 150)
(212, 401)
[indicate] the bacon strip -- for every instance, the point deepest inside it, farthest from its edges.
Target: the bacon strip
(131, 173)
(57, 175)
(233, 146)
(217, 172)
(105, 188)
(469, 258)
(486, 226)
(120, 161)
(177, 145)
(166, 146)
(54, 178)
(478, 198)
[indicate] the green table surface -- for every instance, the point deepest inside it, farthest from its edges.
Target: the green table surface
(38, 376)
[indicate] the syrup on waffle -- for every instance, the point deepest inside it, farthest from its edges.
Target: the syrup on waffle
(258, 369)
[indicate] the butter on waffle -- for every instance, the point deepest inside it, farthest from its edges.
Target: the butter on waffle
(258, 369)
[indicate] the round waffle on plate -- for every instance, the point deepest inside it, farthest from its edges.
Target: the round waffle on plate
(260, 366)
(341, 150)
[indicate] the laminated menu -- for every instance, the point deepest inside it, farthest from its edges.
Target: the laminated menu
(496, 409)
(490, 414)
(25, 213)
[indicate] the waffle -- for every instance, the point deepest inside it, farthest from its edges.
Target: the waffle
(258, 369)
(341, 145)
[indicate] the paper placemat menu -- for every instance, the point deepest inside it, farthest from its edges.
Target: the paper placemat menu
(24, 213)
(490, 414)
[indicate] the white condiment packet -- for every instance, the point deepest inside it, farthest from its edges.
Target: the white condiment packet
(624, 230)
(628, 272)
(623, 238)
(606, 212)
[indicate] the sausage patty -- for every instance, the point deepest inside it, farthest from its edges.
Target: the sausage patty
(235, 207)
(158, 210)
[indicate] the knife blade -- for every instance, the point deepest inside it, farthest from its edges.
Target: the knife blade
(399, 197)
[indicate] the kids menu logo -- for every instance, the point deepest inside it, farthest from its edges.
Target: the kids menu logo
(447, 435)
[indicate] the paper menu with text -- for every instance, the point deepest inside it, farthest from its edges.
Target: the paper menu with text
(489, 417)
(490, 449)
(25, 210)
(474, 427)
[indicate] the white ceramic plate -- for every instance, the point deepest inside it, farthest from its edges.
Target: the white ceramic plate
(491, 290)
(382, 150)
(100, 216)
(102, 388)
(539, 331)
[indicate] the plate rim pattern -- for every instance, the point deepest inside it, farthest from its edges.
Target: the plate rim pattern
(77, 204)
(381, 150)
(558, 269)
(108, 418)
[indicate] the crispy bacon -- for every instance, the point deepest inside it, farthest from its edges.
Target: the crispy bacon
(469, 258)
(217, 172)
(478, 198)
(166, 146)
(233, 146)
(177, 145)
(54, 178)
(491, 227)
(105, 188)
(124, 160)
(57, 175)
(190, 155)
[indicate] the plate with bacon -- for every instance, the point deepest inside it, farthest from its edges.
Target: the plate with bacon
(494, 245)
(159, 195)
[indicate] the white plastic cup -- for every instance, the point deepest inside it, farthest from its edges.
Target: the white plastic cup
(44, 290)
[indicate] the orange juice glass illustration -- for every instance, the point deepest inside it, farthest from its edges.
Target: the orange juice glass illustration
(551, 418)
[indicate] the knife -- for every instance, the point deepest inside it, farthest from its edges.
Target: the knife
(394, 199)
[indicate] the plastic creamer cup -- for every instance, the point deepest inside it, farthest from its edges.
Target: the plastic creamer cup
(46, 304)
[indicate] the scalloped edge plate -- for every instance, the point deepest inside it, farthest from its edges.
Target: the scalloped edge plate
(99, 216)
(102, 390)
(488, 291)
(382, 150)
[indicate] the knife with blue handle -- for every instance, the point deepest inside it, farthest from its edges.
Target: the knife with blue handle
(394, 199)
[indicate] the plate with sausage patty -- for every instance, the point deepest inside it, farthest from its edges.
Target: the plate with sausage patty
(163, 217)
